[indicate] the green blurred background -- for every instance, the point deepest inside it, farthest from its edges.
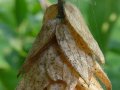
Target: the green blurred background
(21, 20)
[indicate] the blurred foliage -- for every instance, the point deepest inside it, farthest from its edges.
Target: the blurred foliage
(21, 20)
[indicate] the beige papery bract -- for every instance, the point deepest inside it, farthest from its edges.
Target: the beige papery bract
(64, 55)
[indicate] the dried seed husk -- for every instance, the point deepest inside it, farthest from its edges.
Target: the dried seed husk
(37, 60)
(44, 39)
(75, 56)
(102, 76)
(98, 54)
(52, 12)
(94, 85)
(47, 71)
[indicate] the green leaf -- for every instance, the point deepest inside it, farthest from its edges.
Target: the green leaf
(20, 10)
(2, 87)
(114, 47)
(100, 24)
(3, 63)
(8, 79)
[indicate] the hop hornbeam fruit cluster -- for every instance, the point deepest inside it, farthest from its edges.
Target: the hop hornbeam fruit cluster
(64, 56)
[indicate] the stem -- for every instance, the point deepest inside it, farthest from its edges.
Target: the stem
(61, 9)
